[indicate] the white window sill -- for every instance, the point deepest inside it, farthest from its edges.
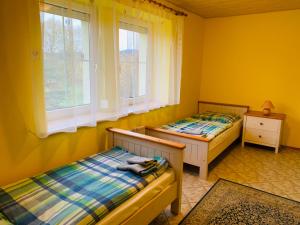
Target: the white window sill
(66, 124)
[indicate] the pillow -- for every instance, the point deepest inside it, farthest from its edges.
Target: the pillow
(217, 117)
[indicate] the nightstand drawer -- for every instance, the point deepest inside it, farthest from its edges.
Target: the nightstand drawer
(261, 136)
(263, 123)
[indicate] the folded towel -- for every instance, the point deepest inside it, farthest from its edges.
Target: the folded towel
(141, 160)
(138, 169)
(158, 165)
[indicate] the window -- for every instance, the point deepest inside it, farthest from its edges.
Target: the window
(102, 62)
(66, 57)
(133, 46)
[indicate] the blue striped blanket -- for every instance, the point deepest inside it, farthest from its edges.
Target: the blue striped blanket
(80, 193)
(207, 125)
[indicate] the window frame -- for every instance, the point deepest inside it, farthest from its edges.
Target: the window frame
(63, 114)
(76, 7)
(59, 120)
(138, 100)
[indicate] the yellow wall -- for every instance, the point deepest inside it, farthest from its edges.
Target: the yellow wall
(247, 59)
(21, 153)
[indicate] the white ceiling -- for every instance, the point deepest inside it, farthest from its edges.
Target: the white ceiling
(222, 8)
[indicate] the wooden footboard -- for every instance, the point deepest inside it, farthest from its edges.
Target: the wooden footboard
(195, 153)
(200, 151)
(147, 146)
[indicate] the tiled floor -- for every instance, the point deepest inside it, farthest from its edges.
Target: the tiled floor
(254, 166)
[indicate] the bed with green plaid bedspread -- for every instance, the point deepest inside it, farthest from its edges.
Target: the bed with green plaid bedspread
(3, 220)
(80, 193)
(206, 125)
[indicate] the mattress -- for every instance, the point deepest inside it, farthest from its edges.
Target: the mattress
(82, 192)
(129, 207)
(207, 125)
(233, 130)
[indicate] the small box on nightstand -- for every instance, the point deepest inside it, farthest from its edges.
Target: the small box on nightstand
(263, 130)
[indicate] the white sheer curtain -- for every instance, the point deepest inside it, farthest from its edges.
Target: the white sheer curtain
(103, 60)
(158, 81)
(69, 76)
(107, 61)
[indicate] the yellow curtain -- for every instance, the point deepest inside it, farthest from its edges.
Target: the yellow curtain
(21, 75)
(35, 44)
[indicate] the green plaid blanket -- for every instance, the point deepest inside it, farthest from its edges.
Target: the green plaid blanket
(217, 117)
(3, 220)
(80, 193)
(207, 125)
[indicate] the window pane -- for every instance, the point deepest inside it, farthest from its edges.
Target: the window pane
(133, 62)
(142, 79)
(66, 61)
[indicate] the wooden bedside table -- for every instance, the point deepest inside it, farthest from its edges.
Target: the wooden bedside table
(263, 130)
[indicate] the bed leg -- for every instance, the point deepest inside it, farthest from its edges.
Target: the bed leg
(176, 206)
(203, 171)
(203, 163)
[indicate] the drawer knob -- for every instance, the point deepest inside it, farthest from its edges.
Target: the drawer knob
(259, 136)
(261, 123)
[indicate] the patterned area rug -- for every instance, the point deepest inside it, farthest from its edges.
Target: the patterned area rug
(231, 203)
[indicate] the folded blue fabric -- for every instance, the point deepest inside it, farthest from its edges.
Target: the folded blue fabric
(138, 169)
(155, 165)
(144, 161)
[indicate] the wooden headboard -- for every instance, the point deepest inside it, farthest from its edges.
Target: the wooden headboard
(222, 107)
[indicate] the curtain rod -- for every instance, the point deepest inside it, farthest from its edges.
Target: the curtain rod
(176, 12)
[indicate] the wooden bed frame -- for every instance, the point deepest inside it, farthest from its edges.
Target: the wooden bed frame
(199, 151)
(148, 146)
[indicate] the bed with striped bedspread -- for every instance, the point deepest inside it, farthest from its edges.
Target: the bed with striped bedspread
(206, 125)
(80, 193)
